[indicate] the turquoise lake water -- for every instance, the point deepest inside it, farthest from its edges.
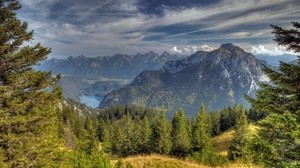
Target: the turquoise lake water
(91, 101)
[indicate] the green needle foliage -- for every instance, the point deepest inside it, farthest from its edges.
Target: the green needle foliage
(201, 132)
(239, 148)
(162, 142)
(180, 135)
(28, 98)
(278, 141)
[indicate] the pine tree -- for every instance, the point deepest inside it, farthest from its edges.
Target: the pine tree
(278, 140)
(180, 135)
(28, 98)
(201, 136)
(162, 135)
(117, 140)
(144, 136)
(238, 148)
(129, 144)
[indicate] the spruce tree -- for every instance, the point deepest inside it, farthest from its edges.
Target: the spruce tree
(180, 135)
(201, 136)
(238, 147)
(28, 98)
(162, 135)
(129, 144)
(278, 141)
(144, 136)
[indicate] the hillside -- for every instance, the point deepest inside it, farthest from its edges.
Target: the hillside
(221, 145)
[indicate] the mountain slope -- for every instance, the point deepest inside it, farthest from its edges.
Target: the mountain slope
(218, 78)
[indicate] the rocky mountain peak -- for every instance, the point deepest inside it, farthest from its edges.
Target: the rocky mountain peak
(217, 78)
(231, 48)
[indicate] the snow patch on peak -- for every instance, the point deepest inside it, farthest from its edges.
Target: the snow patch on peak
(253, 85)
(225, 73)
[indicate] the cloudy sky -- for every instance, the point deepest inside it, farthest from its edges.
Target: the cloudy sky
(106, 27)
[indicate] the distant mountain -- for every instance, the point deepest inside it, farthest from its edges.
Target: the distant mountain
(74, 87)
(274, 60)
(218, 78)
(117, 66)
(294, 62)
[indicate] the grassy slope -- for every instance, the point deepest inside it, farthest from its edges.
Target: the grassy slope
(159, 161)
(221, 145)
(222, 142)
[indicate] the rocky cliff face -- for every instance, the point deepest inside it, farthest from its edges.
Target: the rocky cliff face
(218, 78)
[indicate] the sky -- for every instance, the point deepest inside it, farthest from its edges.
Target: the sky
(107, 27)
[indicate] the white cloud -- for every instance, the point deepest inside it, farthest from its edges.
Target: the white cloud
(112, 34)
(175, 50)
(190, 49)
(260, 49)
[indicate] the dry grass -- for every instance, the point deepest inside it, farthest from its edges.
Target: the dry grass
(221, 143)
(159, 161)
(239, 164)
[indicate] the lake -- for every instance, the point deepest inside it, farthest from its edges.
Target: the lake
(91, 101)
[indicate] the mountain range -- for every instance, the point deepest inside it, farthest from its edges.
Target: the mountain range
(274, 60)
(217, 78)
(95, 77)
(118, 66)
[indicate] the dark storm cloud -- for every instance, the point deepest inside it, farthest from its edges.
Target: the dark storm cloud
(93, 27)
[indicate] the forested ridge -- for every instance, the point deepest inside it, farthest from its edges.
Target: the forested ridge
(40, 129)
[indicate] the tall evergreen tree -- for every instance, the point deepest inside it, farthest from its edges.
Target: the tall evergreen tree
(278, 140)
(129, 144)
(144, 136)
(201, 136)
(28, 98)
(162, 135)
(180, 135)
(238, 148)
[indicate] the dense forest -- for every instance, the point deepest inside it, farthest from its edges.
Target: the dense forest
(40, 129)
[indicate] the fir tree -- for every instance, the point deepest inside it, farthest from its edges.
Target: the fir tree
(162, 135)
(28, 98)
(144, 136)
(238, 148)
(278, 140)
(129, 144)
(180, 135)
(201, 136)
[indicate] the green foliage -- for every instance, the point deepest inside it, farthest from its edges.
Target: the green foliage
(28, 98)
(144, 135)
(161, 141)
(277, 142)
(208, 157)
(239, 146)
(215, 123)
(201, 132)
(82, 159)
(180, 135)
(278, 139)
